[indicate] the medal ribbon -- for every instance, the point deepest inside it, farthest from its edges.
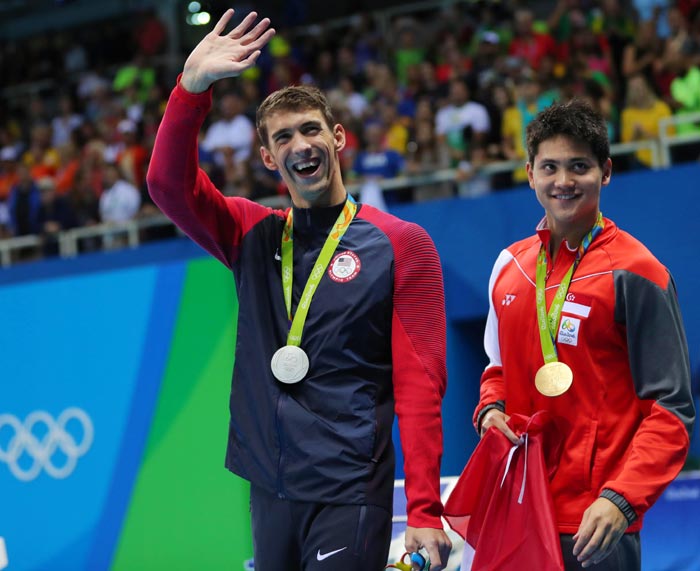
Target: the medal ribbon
(339, 227)
(549, 322)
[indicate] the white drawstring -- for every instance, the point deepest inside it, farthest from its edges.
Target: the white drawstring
(523, 440)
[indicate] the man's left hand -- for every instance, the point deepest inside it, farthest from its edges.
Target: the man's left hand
(434, 541)
(602, 526)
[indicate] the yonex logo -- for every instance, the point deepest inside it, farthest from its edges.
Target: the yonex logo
(508, 299)
(39, 438)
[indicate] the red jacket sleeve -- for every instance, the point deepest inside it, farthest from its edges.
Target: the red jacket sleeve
(420, 377)
(184, 192)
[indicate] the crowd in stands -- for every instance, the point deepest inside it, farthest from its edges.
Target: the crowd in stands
(452, 87)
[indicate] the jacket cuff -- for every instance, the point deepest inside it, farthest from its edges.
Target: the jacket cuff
(197, 100)
(424, 520)
(622, 504)
(499, 404)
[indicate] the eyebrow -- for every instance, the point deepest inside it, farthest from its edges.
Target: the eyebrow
(306, 124)
(582, 158)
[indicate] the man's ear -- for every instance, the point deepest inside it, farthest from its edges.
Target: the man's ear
(607, 172)
(339, 137)
(530, 175)
(267, 159)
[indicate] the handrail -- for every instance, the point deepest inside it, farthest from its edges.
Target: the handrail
(669, 140)
(8, 245)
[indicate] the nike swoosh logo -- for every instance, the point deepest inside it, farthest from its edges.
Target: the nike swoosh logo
(321, 557)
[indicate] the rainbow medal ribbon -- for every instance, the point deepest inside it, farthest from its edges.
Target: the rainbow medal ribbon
(554, 378)
(290, 363)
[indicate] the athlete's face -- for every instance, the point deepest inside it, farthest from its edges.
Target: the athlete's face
(567, 180)
(305, 151)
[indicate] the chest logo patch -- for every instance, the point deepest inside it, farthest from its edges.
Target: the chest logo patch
(568, 331)
(577, 304)
(344, 267)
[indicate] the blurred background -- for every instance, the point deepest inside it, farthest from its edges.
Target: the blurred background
(118, 333)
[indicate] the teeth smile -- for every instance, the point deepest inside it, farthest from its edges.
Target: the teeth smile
(564, 196)
(306, 165)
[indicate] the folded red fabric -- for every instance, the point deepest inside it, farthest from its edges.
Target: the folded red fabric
(502, 505)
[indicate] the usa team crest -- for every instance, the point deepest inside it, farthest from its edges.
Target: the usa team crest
(344, 267)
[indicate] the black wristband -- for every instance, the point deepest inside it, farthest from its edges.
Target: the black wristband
(622, 504)
(499, 404)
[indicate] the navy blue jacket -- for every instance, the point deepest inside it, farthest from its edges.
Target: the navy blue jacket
(374, 335)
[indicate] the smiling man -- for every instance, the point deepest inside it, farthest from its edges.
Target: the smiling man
(584, 323)
(341, 322)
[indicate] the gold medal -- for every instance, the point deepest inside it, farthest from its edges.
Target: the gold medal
(554, 379)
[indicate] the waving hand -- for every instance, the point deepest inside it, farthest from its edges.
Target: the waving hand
(221, 55)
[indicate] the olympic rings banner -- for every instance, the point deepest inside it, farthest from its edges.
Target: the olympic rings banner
(114, 416)
(57, 440)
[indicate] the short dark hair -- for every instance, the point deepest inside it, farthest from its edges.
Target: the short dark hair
(574, 118)
(292, 98)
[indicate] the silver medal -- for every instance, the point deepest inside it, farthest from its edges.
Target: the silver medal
(289, 364)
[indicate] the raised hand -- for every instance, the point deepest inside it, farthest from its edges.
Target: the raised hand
(221, 55)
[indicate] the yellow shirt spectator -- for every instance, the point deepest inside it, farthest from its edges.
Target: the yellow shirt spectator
(641, 115)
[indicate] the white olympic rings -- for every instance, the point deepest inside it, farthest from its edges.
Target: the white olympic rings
(53, 435)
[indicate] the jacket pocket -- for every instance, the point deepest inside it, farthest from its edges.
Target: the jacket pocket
(589, 454)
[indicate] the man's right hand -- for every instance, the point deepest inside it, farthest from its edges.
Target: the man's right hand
(498, 419)
(221, 55)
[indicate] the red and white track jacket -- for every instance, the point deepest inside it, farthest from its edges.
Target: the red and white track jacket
(627, 418)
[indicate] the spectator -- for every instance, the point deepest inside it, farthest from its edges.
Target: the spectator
(619, 28)
(24, 204)
(354, 100)
(641, 115)
(8, 171)
(133, 156)
(42, 158)
(424, 154)
(150, 34)
(462, 125)
(70, 163)
(599, 96)
(528, 102)
(497, 97)
(230, 138)
(685, 97)
(641, 55)
(83, 201)
(55, 215)
(529, 44)
(408, 51)
(65, 122)
(120, 200)
(138, 74)
(452, 61)
(375, 162)
(397, 126)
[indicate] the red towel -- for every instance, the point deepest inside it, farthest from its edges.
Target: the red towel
(502, 505)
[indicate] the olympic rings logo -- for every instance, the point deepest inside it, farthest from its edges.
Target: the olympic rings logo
(40, 437)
